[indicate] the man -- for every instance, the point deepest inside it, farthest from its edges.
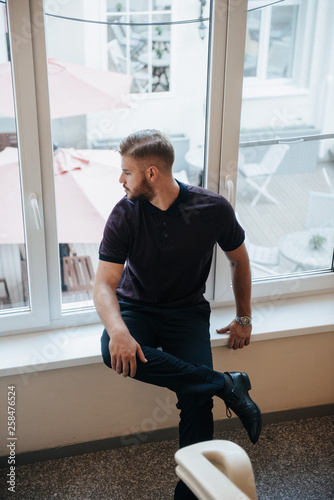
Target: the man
(155, 257)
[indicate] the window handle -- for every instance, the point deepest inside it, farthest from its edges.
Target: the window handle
(35, 209)
(229, 185)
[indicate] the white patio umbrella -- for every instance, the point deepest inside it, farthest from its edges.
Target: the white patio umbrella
(74, 89)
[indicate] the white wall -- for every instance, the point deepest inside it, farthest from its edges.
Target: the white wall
(75, 405)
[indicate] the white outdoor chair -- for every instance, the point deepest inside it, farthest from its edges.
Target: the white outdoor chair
(263, 258)
(136, 41)
(216, 470)
(258, 175)
(279, 59)
(120, 62)
(320, 210)
(328, 182)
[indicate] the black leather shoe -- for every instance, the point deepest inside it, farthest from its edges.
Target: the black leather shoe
(239, 401)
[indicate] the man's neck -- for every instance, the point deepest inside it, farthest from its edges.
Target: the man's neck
(166, 195)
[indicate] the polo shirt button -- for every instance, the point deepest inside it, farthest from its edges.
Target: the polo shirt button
(165, 235)
(164, 224)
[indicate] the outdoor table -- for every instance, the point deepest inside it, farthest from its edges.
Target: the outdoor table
(161, 41)
(297, 248)
(195, 157)
(159, 68)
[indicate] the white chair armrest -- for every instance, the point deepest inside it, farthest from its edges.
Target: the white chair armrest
(216, 470)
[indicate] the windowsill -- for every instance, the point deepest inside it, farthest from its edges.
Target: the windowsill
(29, 353)
(271, 90)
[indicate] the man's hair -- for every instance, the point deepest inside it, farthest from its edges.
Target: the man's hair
(149, 145)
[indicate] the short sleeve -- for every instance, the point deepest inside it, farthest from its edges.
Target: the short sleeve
(232, 234)
(115, 242)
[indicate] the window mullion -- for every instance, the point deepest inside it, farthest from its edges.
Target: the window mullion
(264, 41)
(225, 95)
(234, 67)
(46, 152)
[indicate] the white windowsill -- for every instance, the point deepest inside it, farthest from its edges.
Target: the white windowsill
(273, 91)
(29, 353)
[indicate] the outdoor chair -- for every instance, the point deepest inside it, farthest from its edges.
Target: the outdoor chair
(263, 258)
(4, 292)
(328, 182)
(8, 140)
(279, 59)
(120, 62)
(216, 470)
(320, 210)
(78, 273)
(24, 273)
(136, 41)
(259, 175)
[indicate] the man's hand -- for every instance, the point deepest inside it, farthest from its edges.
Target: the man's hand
(123, 351)
(122, 346)
(239, 335)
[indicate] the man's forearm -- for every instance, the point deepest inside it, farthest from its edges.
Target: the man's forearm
(107, 307)
(242, 285)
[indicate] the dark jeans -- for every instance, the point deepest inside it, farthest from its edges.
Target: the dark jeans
(184, 365)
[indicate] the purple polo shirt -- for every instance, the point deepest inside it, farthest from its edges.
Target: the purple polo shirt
(167, 254)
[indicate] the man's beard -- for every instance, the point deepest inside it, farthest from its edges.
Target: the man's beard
(143, 192)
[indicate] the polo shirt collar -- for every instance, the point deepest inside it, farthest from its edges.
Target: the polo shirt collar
(173, 210)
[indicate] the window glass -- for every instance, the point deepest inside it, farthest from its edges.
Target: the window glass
(252, 43)
(137, 5)
(271, 40)
(14, 290)
(162, 4)
(285, 190)
(97, 98)
(286, 204)
(129, 39)
(282, 41)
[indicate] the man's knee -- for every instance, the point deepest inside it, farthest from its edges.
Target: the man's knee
(192, 404)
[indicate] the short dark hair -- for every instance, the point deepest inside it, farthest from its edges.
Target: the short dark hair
(148, 144)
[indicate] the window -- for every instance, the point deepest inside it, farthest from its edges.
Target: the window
(74, 104)
(272, 40)
(284, 171)
(85, 107)
(135, 26)
(23, 284)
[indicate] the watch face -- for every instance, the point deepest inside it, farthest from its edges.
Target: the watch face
(244, 320)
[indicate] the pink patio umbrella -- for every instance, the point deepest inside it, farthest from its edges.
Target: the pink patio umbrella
(74, 89)
(86, 192)
(11, 220)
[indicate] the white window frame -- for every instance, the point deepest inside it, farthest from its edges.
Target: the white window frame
(3, 41)
(229, 95)
(37, 314)
(223, 120)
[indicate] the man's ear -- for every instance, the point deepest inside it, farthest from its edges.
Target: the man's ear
(152, 172)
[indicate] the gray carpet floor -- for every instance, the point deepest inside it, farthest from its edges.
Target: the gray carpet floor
(291, 461)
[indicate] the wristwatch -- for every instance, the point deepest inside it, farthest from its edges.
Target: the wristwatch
(244, 320)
